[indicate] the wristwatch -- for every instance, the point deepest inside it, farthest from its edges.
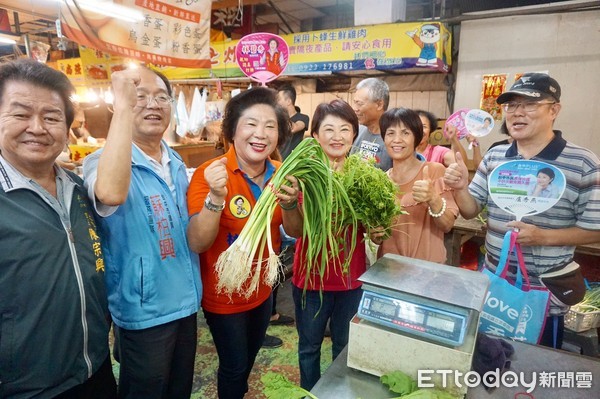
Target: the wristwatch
(211, 206)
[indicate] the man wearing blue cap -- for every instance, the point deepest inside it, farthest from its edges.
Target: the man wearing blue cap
(548, 240)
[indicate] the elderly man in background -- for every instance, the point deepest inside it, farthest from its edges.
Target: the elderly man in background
(370, 101)
(138, 186)
(54, 319)
(548, 239)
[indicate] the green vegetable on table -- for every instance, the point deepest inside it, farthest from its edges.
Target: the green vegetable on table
(278, 386)
(405, 385)
(590, 302)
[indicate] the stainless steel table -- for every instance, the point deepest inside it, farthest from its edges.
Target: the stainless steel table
(341, 382)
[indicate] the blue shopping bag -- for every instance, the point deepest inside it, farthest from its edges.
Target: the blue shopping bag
(513, 309)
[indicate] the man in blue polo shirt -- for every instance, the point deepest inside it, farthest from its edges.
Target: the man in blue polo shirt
(548, 240)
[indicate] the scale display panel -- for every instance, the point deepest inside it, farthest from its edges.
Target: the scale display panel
(427, 320)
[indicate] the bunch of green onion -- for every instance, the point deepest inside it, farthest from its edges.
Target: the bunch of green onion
(328, 215)
(590, 302)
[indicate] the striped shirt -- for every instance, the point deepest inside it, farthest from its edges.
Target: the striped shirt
(579, 205)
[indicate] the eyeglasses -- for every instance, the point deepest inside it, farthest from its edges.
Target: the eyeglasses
(162, 100)
(528, 106)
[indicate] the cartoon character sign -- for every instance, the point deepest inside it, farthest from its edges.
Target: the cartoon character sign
(427, 40)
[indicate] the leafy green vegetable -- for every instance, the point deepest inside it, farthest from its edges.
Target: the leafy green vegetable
(323, 196)
(372, 193)
(406, 386)
(590, 302)
(278, 386)
(429, 394)
(399, 382)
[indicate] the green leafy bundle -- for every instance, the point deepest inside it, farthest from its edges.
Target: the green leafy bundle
(373, 195)
(324, 197)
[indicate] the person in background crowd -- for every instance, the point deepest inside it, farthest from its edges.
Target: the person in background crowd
(437, 153)
(335, 297)
(431, 208)
(254, 123)
(503, 130)
(138, 186)
(474, 144)
(54, 319)
(548, 239)
(370, 101)
(286, 97)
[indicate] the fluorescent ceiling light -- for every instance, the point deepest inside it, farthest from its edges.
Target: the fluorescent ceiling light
(108, 8)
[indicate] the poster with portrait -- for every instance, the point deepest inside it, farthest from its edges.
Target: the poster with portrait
(262, 56)
(491, 87)
(479, 123)
(457, 119)
(526, 188)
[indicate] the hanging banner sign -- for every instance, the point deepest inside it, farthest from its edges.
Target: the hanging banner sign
(98, 66)
(526, 188)
(415, 46)
(424, 46)
(171, 32)
(73, 68)
(491, 88)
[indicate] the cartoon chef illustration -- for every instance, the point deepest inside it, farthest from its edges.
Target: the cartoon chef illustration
(427, 41)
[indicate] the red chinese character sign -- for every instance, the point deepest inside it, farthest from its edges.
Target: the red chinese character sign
(168, 32)
(262, 56)
(491, 87)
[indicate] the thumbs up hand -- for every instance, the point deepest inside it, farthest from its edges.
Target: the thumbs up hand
(423, 190)
(457, 174)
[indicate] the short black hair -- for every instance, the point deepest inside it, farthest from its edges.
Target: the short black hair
(433, 121)
(547, 171)
(29, 71)
(338, 108)
(409, 118)
(257, 95)
(289, 92)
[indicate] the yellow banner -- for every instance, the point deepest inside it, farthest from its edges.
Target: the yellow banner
(413, 46)
(73, 68)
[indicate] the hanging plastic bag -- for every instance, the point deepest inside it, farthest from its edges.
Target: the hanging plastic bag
(197, 119)
(181, 115)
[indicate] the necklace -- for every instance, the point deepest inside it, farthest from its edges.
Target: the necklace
(258, 175)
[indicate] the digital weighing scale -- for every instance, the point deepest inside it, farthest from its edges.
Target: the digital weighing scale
(416, 315)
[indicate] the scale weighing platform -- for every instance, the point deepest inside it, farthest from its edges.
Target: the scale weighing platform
(416, 315)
